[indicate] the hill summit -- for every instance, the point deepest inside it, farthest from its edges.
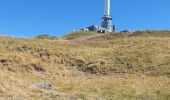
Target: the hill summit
(85, 65)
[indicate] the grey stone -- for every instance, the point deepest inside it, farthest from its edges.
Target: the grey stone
(42, 86)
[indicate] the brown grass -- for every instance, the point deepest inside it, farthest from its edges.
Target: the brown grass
(107, 67)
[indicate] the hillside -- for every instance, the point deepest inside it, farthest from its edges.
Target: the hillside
(85, 65)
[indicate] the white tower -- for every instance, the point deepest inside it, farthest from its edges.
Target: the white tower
(107, 7)
(107, 19)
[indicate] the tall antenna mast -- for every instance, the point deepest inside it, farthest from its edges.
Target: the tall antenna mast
(107, 7)
(107, 19)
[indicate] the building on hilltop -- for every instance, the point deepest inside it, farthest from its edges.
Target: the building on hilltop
(106, 25)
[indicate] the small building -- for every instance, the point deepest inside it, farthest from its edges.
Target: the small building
(96, 28)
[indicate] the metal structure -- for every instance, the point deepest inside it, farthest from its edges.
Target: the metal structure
(107, 19)
(106, 26)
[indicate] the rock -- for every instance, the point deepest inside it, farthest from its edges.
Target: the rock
(38, 68)
(42, 86)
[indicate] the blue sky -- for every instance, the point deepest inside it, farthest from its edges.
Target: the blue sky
(28, 18)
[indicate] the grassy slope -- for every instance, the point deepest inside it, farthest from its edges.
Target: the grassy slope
(111, 66)
(80, 34)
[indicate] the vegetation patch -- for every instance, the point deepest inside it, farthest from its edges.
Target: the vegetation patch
(109, 66)
(44, 36)
(80, 34)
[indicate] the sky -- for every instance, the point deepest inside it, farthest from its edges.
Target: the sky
(29, 18)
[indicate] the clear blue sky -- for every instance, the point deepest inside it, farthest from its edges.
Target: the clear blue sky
(27, 18)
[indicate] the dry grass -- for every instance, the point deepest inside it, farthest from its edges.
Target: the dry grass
(80, 34)
(105, 67)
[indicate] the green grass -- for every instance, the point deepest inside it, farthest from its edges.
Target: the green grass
(153, 33)
(44, 36)
(80, 34)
